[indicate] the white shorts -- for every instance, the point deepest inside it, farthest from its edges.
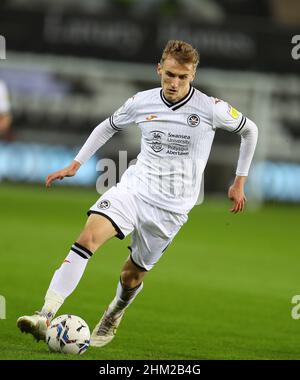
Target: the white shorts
(153, 228)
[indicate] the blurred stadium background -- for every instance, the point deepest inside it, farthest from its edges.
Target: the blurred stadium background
(70, 64)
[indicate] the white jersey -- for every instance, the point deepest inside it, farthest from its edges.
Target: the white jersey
(4, 100)
(175, 144)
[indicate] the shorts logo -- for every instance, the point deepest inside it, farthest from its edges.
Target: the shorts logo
(103, 205)
(156, 141)
(193, 120)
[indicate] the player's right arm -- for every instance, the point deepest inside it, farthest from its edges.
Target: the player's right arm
(99, 136)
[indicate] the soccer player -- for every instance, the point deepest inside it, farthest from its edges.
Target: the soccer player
(5, 115)
(154, 196)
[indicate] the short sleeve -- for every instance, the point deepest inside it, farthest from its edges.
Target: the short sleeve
(125, 115)
(4, 100)
(226, 117)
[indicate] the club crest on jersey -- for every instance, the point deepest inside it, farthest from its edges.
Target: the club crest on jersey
(193, 120)
(156, 141)
(103, 205)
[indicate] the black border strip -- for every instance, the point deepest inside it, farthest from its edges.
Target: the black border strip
(195, 368)
(120, 234)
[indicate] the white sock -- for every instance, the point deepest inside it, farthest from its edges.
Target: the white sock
(53, 302)
(124, 297)
(65, 279)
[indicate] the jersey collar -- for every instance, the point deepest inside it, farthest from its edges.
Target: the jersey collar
(181, 102)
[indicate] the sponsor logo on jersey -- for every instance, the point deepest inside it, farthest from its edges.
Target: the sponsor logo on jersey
(233, 112)
(156, 141)
(193, 120)
(149, 118)
(103, 205)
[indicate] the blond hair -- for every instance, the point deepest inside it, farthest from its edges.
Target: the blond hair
(181, 51)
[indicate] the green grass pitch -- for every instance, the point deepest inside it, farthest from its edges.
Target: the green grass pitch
(222, 290)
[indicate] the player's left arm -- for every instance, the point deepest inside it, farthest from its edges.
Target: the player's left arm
(228, 118)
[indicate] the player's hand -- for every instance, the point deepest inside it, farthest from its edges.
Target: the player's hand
(69, 171)
(236, 194)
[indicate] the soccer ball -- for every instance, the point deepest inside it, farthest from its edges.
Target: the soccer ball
(68, 334)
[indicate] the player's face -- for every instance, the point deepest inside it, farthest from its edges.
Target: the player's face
(175, 78)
